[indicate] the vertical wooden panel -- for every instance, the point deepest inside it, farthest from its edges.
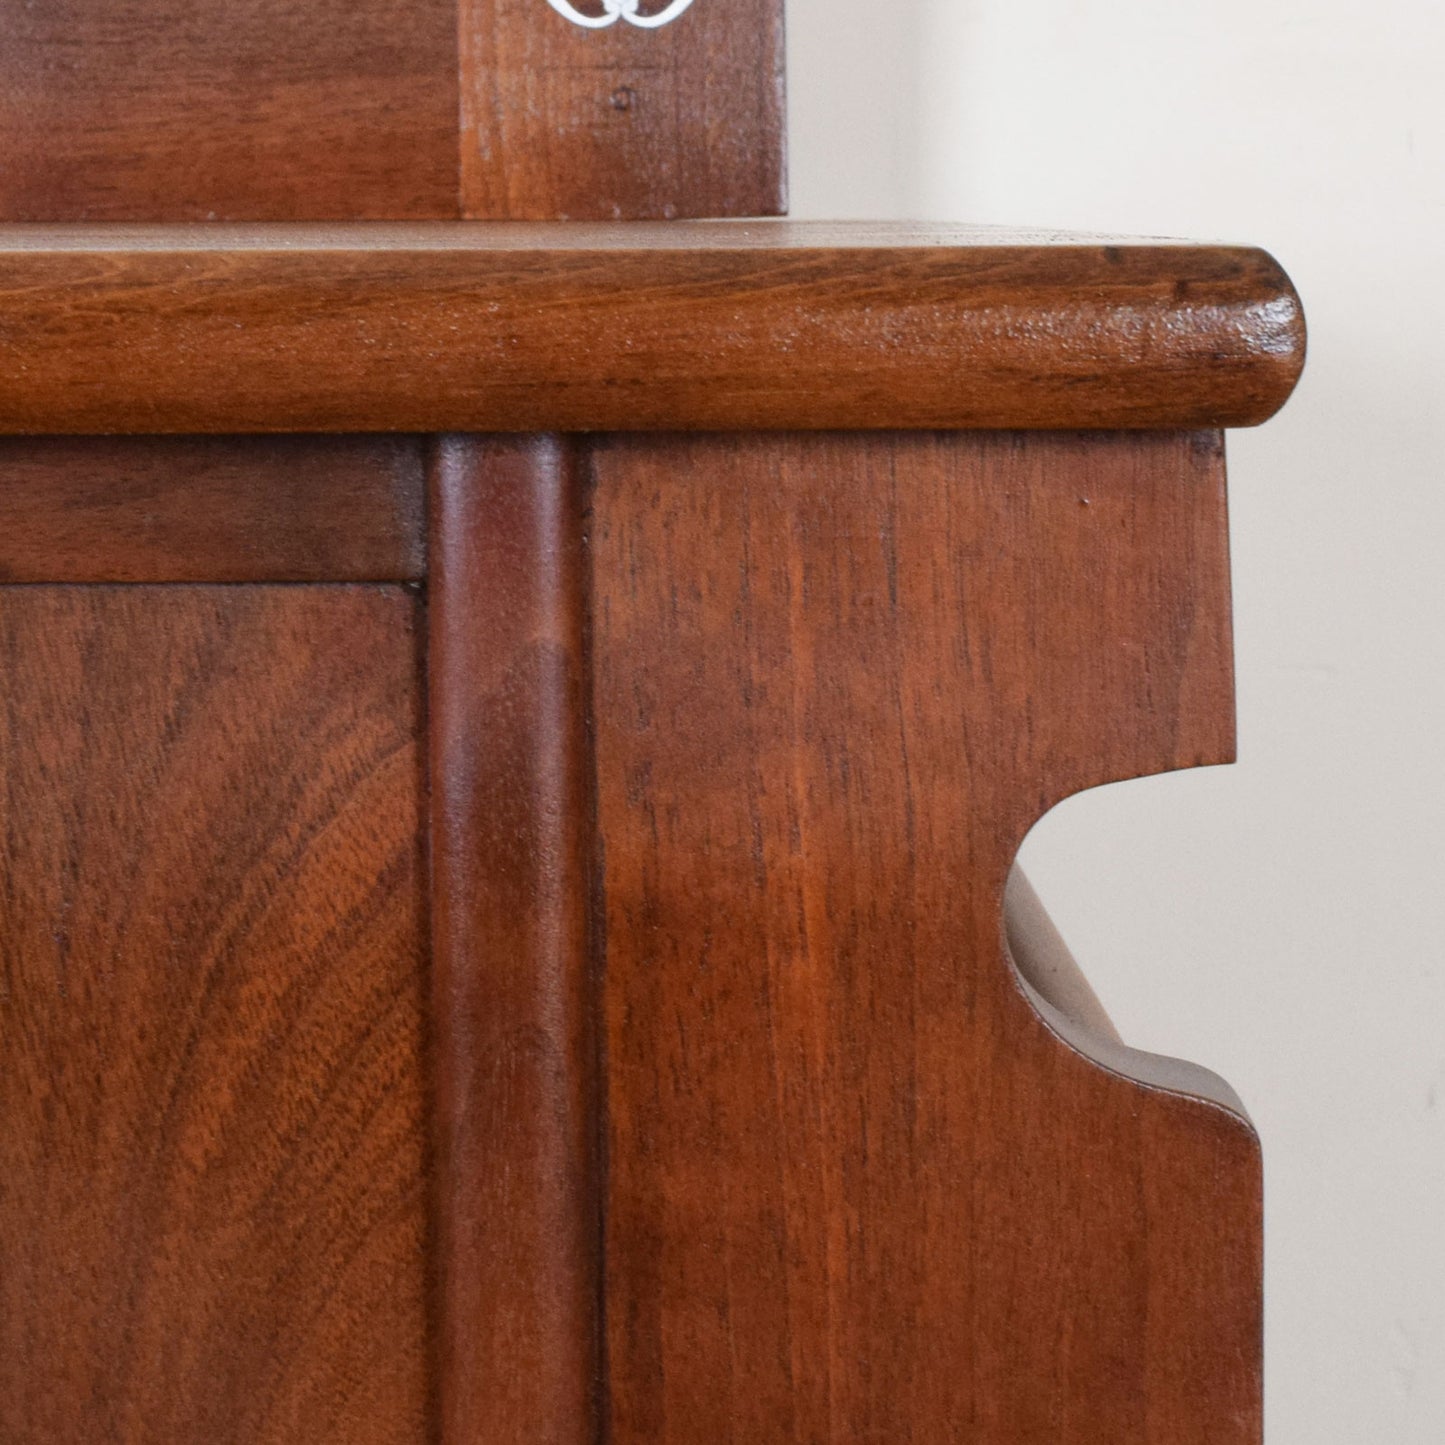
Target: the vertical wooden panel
(194, 110)
(213, 1213)
(625, 123)
(519, 1234)
(858, 1188)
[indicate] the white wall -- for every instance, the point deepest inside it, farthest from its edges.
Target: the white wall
(1283, 920)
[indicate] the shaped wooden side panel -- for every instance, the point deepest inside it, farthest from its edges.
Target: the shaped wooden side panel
(213, 1209)
(858, 1188)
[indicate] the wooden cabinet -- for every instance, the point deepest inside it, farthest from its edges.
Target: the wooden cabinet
(513, 744)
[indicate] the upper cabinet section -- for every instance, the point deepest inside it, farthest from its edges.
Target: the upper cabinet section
(334, 110)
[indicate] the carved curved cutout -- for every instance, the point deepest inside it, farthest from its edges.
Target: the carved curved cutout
(1044, 962)
(1062, 996)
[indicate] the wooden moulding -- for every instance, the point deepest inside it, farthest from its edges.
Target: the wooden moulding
(688, 327)
(518, 1246)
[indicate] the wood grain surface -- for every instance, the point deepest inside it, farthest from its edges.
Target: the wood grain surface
(213, 1216)
(196, 110)
(513, 988)
(212, 509)
(682, 327)
(369, 109)
(858, 1188)
(719, 1111)
(561, 122)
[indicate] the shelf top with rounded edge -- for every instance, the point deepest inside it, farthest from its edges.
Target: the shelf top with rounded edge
(678, 326)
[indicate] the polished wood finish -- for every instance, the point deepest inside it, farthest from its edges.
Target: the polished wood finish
(565, 123)
(688, 327)
(719, 1080)
(513, 995)
(197, 110)
(213, 1219)
(775, 1145)
(333, 110)
(212, 509)
(858, 1188)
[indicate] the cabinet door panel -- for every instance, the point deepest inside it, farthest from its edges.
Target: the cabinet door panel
(213, 1218)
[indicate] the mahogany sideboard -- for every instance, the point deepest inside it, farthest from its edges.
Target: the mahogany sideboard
(514, 738)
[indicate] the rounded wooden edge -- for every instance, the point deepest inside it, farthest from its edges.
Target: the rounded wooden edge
(322, 333)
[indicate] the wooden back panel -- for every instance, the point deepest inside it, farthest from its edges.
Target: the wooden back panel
(195, 110)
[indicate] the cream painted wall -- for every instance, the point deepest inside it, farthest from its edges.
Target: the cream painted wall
(1283, 920)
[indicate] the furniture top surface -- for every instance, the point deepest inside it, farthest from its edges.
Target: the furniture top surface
(371, 237)
(455, 326)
